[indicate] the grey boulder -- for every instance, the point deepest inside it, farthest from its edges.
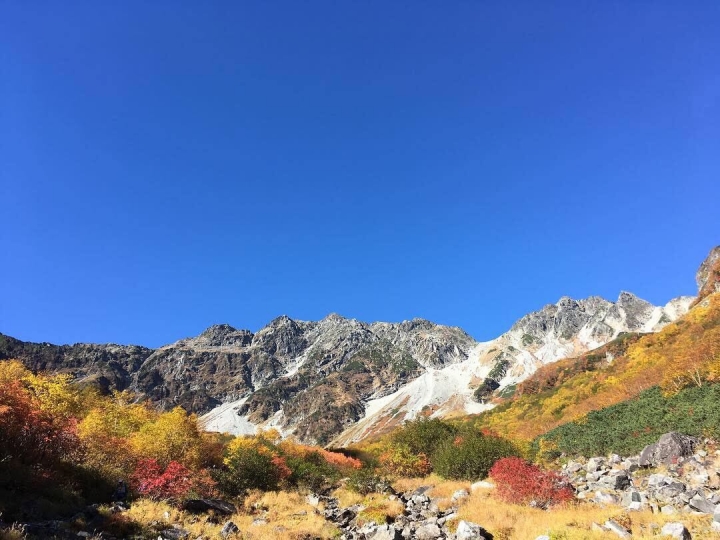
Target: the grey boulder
(669, 448)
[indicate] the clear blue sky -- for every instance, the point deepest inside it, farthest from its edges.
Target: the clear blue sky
(169, 165)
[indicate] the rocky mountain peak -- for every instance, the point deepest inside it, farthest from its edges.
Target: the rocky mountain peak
(708, 275)
(217, 330)
(566, 302)
(416, 324)
(221, 335)
(282, 320)
(334, 317)
(626, 297)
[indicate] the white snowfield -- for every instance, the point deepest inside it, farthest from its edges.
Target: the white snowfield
(448, 390)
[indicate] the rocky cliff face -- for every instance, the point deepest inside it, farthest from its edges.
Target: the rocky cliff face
(339, 380)
(562, 330)
(315, 377)
(108, 366)
(708, 275)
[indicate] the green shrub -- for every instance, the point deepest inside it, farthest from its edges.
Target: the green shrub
(470, 455)
(627, 427)
(365, 481)
(312, 472)
(423, 435)
(251, 467)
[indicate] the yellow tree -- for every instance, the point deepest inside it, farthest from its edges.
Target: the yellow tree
(172, 436)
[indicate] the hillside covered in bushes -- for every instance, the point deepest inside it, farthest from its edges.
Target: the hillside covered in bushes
(685, 354)
(65, 447)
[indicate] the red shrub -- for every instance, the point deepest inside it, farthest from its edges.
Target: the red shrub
(521, 482)
(174, 483)
(282, 469)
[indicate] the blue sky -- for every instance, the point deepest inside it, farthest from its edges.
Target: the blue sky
(169, 165)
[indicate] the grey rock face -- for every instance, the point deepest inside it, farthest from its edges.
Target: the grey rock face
(110, 367)
(614, 527)
(228, 529)
(701, 504)
(704, 272)
(384, 532)
(428, 532)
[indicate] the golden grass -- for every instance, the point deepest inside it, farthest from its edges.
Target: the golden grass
(380, 509)
(377, 507)
(346, 497)
(440, 486)
(284, 515)
(570, 522)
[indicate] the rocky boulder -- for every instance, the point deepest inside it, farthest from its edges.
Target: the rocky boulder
(669, 448)
(467, 530)
(209, 505)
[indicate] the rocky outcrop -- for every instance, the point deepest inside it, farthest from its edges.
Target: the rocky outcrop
(688, 479)
(217, 506)
(708, 275)
(421, 519)
(110, 367)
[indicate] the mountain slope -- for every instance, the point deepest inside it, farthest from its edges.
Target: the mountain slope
(684, 354)
(568, 328)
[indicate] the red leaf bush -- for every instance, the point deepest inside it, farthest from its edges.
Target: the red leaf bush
(520, 482)
(174, 483)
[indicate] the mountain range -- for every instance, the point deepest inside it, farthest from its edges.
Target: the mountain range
(339, 380)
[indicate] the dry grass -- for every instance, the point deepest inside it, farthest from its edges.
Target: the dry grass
(376, 507)
(346, 497)
(440, 486)
(280, 515)
(570, 522)
(380, 509)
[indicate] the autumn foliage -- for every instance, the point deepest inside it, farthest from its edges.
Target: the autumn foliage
(29, 434)
(50, 427)
(520, 482)
(173, 483)
(684, 354)
(399, 460)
